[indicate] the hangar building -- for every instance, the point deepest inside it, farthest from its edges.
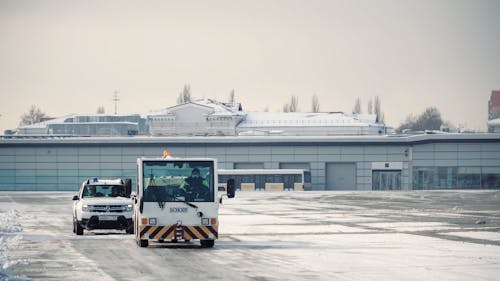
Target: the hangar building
(429, 161)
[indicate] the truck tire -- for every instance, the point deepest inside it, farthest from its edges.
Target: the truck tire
(207, 243)
(142, 243)
(130, 229)
(78, 228)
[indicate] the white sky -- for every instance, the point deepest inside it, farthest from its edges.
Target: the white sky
(70, 56)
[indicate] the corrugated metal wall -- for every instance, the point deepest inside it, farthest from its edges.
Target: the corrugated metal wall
(63, 166)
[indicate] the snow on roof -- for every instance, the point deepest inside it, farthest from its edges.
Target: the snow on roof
(45, 123)
(181, 140)
(217, 107)
(259, 119)
(494, 122)
(64, 120)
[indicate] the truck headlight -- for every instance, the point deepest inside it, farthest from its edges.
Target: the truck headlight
(129, 208)
(85, 208)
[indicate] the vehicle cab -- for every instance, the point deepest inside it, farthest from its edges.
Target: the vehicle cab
(177, 200)
(103, 204)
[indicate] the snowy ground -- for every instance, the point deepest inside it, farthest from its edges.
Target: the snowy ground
(430, 235)
(9, 224)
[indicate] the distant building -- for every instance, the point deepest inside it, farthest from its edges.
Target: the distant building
(208, 117)
(196, 118)
(89, 125)
(310, 124)
(494, 105)
(494, 125)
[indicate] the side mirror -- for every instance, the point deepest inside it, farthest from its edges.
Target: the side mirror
(230, 188)
(128, 187)
(75, 198)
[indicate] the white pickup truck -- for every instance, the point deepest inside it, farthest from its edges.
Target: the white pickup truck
(103, 204)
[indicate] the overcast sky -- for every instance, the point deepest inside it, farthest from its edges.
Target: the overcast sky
(70, 56)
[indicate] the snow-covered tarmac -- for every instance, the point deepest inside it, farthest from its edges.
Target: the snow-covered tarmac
(424, 235)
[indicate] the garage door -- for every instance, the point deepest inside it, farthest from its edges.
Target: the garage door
(341, 176)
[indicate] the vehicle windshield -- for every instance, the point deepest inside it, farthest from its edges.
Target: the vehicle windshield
(90, 191)
(171, 181)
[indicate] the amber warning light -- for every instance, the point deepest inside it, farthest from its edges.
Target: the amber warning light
(166, 153)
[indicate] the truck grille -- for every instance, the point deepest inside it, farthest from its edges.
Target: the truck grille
(107, 208)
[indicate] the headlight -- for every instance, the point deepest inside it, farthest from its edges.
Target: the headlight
(129, 207)
(85, 208)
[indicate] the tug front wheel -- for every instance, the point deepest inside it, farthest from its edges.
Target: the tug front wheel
(142, 243)
(207, 243)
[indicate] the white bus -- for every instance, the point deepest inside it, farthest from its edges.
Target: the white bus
(267, 179)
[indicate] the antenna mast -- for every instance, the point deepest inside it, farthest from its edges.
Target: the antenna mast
(116, 99)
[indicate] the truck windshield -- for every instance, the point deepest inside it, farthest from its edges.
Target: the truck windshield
(171, 181)
(94, 190)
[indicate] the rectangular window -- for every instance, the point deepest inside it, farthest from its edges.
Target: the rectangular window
(446, 177)
(423, 178)
(469, 177)
(490, 177)
(386, 180)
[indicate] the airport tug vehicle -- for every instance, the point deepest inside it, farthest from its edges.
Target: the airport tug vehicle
(177, 200)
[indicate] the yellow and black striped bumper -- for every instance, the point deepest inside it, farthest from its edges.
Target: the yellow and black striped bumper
(169, 232)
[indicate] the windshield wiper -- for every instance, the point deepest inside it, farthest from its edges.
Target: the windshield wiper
(174, 198)
(158, 197)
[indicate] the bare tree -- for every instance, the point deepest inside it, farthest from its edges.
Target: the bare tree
(315, 103)
(377, 110)
(100, 110)
(185, 95)
(231, 96)
(34, 115)
(370, 106)
(357, 106)
(294, 104)
(430, 119)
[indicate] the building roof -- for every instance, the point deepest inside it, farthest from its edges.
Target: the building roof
(64, 120)
(494, 122)
(44, 124)
(267, 140)
(294, 119)
(217, 107)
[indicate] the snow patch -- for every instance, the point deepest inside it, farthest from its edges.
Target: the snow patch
(9, 224)
(9, 221)
(483, 235)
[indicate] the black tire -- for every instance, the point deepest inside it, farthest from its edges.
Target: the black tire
(74, 231)
(78, 228)
(207, 243)
(130, 229)
(142, 243)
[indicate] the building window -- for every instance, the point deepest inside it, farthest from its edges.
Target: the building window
(490, 177)
(446, 177)
(469, 177)
(456, 177)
